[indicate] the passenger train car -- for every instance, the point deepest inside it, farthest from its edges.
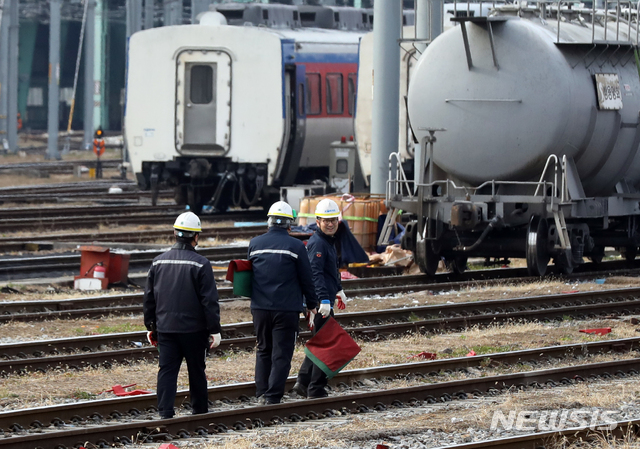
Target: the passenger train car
(226, 114)
(527, 122)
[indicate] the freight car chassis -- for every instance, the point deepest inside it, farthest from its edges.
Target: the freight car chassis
(537, 220)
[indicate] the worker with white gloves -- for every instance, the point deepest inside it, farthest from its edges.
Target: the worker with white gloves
(281, 276)
(326, 278)
(182, 315)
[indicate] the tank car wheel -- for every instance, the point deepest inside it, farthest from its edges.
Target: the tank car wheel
(563, 266)
(426, 257)
(597, 255)
(537, 252)
(629, 253)
(457, 265)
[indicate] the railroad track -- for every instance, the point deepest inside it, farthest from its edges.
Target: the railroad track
(69, 264)
(369, 325)
(57, 167)
(77, 307)
(365, 286)
(113, 239)
(128, 216)
(31, 213)
(132, 419)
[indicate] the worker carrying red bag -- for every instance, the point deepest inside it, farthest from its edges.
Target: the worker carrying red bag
(323, 257)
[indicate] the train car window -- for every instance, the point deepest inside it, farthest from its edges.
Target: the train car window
(201, 89)
(265, 14)
(301, 110)
(336, 17)
(313, 94)
(352, 92)
(334, 93)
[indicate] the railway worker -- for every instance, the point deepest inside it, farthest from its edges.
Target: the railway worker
(323, 256)
(281, 275)
(182, 315)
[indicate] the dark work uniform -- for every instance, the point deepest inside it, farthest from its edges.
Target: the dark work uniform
(181, 303)
(281, 275)
(326, 278)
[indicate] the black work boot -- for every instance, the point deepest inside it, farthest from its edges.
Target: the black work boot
(299, 390)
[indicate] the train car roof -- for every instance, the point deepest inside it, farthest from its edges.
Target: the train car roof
(302, 35)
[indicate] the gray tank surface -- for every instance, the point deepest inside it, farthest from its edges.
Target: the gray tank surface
(507, 113)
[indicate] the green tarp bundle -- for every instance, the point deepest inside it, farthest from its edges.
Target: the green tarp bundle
(241, 274)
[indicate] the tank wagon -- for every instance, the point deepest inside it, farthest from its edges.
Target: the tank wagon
(226, 114)
(528, 130)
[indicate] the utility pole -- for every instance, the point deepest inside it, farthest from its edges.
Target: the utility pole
(4, 77)
(12, 96)
(89, 62)
(99, 73)
(54, 80)
(386, 90)
(134, 16)
(148, 14)
(172, 12)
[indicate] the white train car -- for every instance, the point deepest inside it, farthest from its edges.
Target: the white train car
(226, 114)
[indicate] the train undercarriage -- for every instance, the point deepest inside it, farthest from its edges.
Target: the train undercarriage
(541, 221)
(217, 183)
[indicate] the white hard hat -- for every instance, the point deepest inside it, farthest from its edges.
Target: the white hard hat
(188, 221)
(327, 209)
(281, 209)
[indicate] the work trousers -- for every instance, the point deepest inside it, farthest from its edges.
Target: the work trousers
(310, 377)
(173, 349)
(276, 333)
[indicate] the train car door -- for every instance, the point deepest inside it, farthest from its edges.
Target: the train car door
(203, 102)
(295, 118)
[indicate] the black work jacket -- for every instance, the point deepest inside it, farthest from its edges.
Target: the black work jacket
(281, 272)
(181, 294)
(324, 265)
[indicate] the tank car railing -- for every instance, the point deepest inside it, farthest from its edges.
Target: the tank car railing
(399, 184)
(616, 15)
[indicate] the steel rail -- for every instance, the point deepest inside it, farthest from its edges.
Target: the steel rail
(153, 430)
(83, 211)
(67, 221)
(541, 440)
(58, 166)
(236, 338)
(95, 197)
(95, 184)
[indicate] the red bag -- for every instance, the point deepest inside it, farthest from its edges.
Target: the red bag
(332, 348)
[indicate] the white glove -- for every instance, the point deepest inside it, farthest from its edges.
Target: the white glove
(325, 308)
(215, 341)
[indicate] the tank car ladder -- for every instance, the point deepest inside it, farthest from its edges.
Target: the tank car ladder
(394, 187)
(563, 233)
